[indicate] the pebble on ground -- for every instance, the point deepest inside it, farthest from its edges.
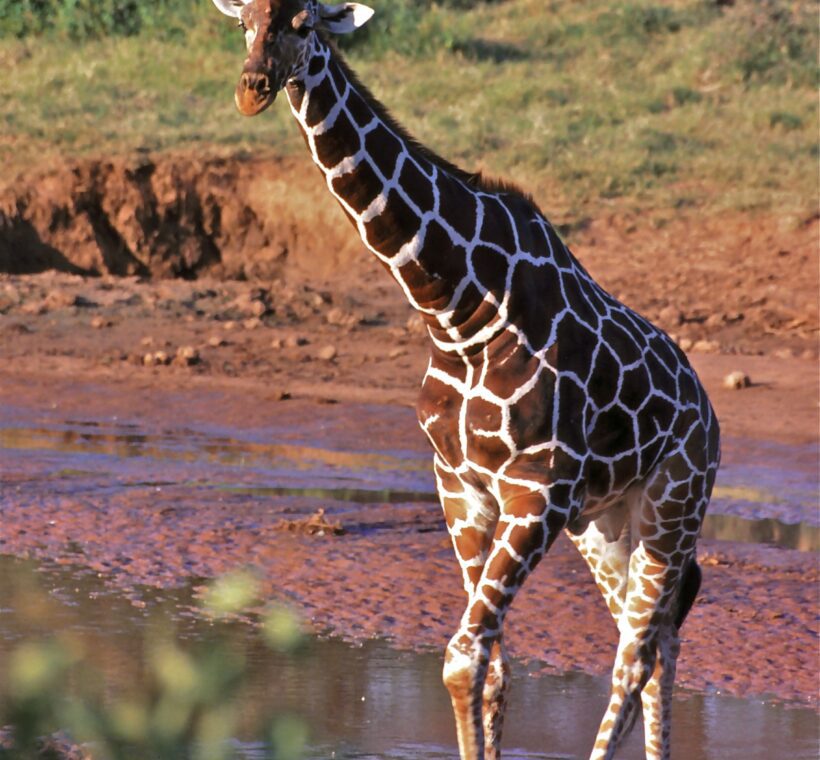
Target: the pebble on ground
(737, 380)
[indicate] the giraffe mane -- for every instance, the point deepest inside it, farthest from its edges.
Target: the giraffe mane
(476, 180)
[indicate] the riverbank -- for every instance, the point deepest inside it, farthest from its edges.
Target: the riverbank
(171, 515)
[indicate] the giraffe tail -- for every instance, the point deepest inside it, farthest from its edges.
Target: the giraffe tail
(688, 591)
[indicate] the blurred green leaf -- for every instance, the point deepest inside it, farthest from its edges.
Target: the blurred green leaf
(37, 667)
(187, 707)
(282, 629)
(216, 727)
(129, 720)
(231, 594)
(175, 670)
(289, 737)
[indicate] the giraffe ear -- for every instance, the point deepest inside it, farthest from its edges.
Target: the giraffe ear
(230, 7)
(344, 18)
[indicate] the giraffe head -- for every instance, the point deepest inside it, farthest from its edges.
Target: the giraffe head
(278, 36)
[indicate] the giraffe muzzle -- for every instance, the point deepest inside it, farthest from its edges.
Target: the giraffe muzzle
(253, 93)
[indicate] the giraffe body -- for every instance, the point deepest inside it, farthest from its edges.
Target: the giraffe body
(550, 405)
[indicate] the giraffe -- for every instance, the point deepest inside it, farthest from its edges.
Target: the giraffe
(550, 406)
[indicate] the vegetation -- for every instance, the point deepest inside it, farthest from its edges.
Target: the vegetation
(655, 104)
(86, 19)
(187, 709)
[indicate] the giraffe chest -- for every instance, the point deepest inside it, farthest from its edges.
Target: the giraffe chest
(483, 419)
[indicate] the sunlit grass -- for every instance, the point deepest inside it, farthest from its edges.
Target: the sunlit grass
(649, 104)
(114, 96)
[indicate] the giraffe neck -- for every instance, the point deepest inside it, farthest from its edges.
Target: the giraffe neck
(416, 212)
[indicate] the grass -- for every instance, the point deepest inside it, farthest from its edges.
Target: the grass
(650, 104)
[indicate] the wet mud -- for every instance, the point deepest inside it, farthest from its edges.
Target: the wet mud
(142, 495)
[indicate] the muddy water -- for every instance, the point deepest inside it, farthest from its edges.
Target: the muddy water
(766, 493)
(369, 701)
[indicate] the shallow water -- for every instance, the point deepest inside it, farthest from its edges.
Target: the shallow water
(766, 493)
(370, 701)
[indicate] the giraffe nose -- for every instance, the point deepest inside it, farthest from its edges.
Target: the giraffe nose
(255, 82)
(253, 93)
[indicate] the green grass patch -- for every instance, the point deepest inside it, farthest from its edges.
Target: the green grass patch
(656, 104)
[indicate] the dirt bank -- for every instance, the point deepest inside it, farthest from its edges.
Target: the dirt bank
(733, 282)
(170, 217)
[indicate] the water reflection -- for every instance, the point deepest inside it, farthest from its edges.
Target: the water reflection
(369, 701)
(760, 500)
(188, 446)
(800, 536)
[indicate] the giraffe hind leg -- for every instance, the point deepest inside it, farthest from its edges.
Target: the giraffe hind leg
(663, 580)
(689, 511)
(656, 697)
(608, 560)
(643, 623)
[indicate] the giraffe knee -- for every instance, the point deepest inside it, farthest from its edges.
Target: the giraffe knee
(461, 668)
(458, 677)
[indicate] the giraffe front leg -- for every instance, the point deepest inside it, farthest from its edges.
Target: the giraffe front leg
(496, 688)
(471, 522)
(525, 530)
(465, 669)
(469, 664)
